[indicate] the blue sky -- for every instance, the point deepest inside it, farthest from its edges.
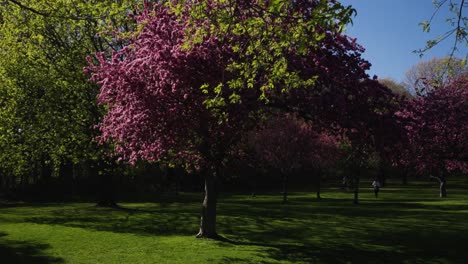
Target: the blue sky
(389, 31)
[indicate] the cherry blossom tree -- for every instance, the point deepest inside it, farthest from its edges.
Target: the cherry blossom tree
(288, 144)
(156, 103)
(437, 128)
(195, 76)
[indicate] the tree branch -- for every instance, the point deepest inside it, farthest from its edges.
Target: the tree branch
(29, 8)
(49, 14)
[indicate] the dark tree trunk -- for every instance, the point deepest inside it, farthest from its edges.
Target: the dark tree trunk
(356, 188)
(319, 181)
(285, 187)
(22, 181)
(106, 191)
(2, 183)
(36, 172)
(8, 182)
(208, 214)
(177, 182)
(382, 176)
(66, 176)
(46, 172)
(253, 184)
(105, 174)
(3, 188)
(404, 176)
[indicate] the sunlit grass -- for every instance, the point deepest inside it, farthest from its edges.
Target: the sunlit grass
(406, 224)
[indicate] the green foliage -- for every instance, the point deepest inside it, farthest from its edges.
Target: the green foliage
(50, 108)
(265, 33)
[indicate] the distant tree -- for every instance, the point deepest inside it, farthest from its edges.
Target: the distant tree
(436, 126)
(397, 88)
(432, 74)
(355, 162)
(288, 144)
(324, 155)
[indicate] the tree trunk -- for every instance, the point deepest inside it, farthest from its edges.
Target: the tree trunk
(285, 188)
(177, 183)
(253, 184)
(66, 178)
(106, 191)
(405, 176)
(22, 181)
(8, 183)
(382, 176)
(35, 172)
(208, 214)
(2, 185)
(356, 189)
(443, 185)
(319, 179)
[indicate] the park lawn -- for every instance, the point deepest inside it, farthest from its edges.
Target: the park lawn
(406, 224)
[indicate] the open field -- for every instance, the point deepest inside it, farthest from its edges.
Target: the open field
(406, 224)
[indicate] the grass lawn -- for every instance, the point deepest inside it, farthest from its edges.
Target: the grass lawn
(406, 224)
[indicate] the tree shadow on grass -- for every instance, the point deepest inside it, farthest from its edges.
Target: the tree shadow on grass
(19, 252)
(167, 219)
(309, 254)
(183, 219)
(390, 248)
(386, 232)
(332, 231)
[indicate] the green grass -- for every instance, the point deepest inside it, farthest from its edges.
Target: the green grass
(406, 224)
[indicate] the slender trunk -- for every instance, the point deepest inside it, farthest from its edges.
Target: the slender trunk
(356, 189)
(7, 183)
(46, 173)
(2, 183)
(177, 183)
(106, 192)
(405, 176)
(285, 187)
(382, 176)
(254, 184)
(443, 187)
(11, 183)
(319, 180)
(36, 172)
(66, 178)
(22, 181)
(208, 214)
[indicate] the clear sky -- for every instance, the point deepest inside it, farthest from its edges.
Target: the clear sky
(390, 31)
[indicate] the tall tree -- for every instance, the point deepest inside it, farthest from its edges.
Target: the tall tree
(51, 106)
(432, 74)
(195, 75)
(436, 126)
(157, 101)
